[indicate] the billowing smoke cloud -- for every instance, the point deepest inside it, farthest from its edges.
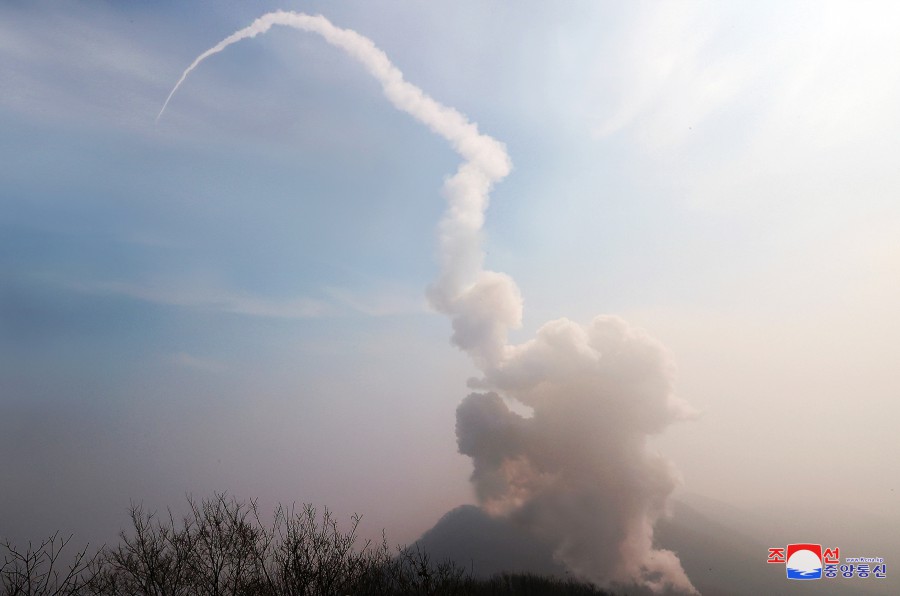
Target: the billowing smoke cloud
(578, 473)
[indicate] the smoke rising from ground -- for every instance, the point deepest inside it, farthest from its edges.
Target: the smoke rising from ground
(579, 473)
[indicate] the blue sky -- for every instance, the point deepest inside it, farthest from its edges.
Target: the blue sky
(233, 299)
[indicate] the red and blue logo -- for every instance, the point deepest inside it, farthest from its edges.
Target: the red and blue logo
(804, 561)
(810, 561)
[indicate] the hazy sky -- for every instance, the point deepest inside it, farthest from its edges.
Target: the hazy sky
(234, 299)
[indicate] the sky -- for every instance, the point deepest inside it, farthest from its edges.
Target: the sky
(234, 298)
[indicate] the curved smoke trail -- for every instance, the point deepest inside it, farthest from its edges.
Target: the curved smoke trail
(579, 472)
(462, 279)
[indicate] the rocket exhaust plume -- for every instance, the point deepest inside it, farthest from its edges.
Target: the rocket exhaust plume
(579, 472)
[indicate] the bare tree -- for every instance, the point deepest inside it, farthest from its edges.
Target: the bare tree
(152, 560)
(222, 547)
(40, 571)
(225, 554)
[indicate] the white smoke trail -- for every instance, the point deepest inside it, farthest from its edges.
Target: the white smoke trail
(578, 472)
(463, 290)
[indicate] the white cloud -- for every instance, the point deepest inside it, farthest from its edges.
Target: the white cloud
(381, 300)
(767, 106)
(185, 360)
(662, 85)
(80, 66)
(207, 298)
(378, 299)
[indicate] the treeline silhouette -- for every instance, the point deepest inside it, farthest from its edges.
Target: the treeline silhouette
(222, 547)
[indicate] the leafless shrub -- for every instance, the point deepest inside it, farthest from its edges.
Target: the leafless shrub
(223, 548)
(40, 571)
